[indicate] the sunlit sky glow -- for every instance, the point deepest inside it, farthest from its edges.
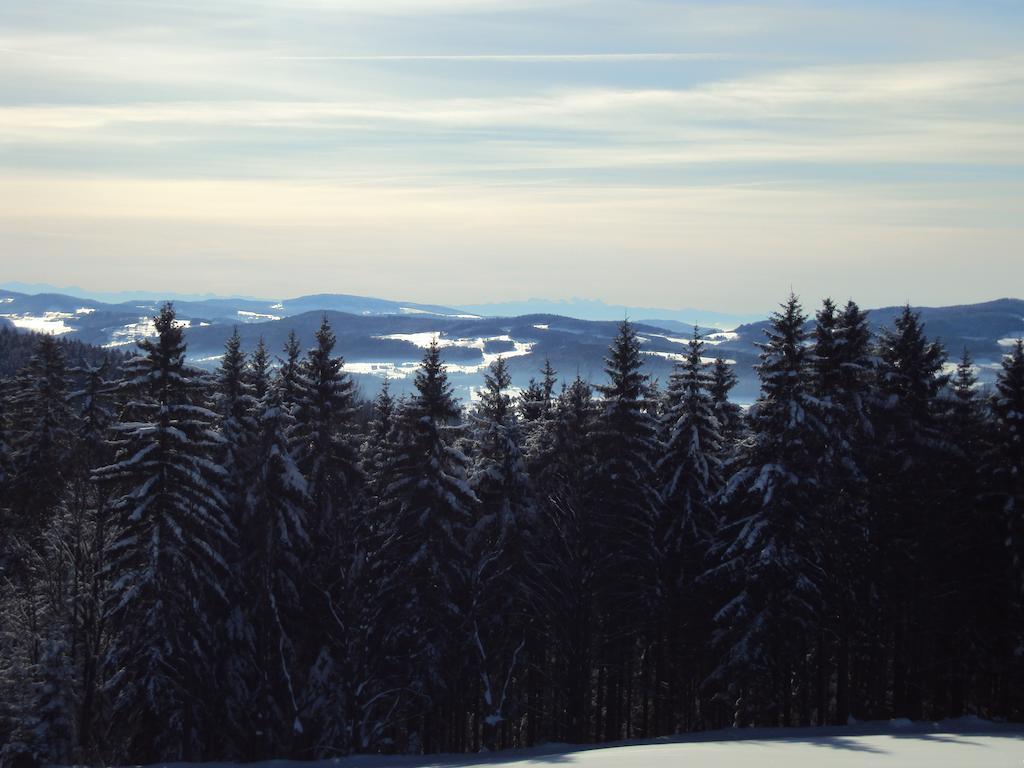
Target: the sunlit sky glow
(709, 154)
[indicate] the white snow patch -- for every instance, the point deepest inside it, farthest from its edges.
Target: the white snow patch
(1009, 341)
(85, 310)
(541, 326)
(680, 357)
(391, 370)
(277, 306)
(7, 300)
(48, 322)
(414, 311)
(421, 340)
(135, 332)
(253, 317)
(962, 744)
(711, 338)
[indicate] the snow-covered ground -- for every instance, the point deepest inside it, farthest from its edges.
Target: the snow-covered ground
(966, 743)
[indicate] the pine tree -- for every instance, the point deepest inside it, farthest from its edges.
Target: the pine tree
(428, 509)
(259, 371)
(843, 381)
(275, 544)
(167, 570)
(324, 443)
(691, 460)
(728, 415)
(323, 434)
(625, 505)
(770, 550)
(83, 539)
(289, 372)
(375, 449)
(1008, 458)
(238, 434)
(6, 454)
(499, 547)
(1005, 465)
(909, 449)
(41, 444)
(570, 562)
(536, 400)
(690, 476)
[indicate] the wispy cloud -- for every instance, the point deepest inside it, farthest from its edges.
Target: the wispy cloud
(553, 135)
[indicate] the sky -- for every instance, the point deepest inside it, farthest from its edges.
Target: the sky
(643, 152)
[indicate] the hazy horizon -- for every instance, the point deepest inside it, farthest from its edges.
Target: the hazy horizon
(662, 154)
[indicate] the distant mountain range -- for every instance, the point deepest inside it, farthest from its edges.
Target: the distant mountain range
(380, 337)
(591, 309)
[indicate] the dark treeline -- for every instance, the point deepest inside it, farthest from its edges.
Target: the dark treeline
(255, 563)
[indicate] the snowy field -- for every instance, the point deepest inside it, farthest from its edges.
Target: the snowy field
(956, 744)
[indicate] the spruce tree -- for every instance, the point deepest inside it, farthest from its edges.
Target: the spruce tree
(428, 510)
(770, 565)
(289, 371)
(690, 462)
(1005, 479)
(42, 423)
(625, 505)
(690, 476)
(499, 547)
(1008, 454)
(259, 371)
(275, 544)
(234, 404)
(728, 415)
(166, 598)
(843, 382)
(324, 443)
(905, 486)
(375, 448)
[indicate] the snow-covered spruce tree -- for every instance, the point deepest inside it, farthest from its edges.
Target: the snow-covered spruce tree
(324, 444)
(624, 504)
(323, 435)
(428, 509)
(166, 601)
(83, 538)
(568, 558)
(689, 466)
(235, 403)
(537, 407)
(690, 476)
(909, 449)
(258, 371)
(1005, 465)
(375, 448)
(1007, 458)
(843, 381)
(289, 371)
(275, 545)
(500, 549)
(770, 550)
(966, 551)
(727, 413)
(6, 453)
(41, 426)
(536, 400)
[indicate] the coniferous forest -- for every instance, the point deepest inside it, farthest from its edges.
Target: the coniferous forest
(257, 563)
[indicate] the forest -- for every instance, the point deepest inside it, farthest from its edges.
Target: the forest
(259, 563)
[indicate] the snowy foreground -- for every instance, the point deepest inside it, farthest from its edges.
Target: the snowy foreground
(964, 743)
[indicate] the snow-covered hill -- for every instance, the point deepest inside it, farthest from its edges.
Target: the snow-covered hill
(380, 337)
(965, 743)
